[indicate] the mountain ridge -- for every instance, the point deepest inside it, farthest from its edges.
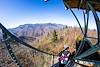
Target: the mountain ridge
(35, 30)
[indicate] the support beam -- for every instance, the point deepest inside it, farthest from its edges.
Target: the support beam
(96, 20)
(75, 17)
(13, 56)
(90, 51)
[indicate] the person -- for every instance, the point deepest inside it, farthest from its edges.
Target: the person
(64, 57)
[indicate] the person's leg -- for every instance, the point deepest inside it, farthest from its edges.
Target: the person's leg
(61, 65)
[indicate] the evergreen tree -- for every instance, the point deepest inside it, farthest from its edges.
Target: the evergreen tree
(55, 36)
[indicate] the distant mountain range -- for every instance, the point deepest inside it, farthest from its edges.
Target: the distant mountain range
(34, 30)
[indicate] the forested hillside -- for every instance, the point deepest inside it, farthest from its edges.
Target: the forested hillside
(50, 38)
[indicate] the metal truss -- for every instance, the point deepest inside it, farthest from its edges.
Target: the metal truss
(80, 54)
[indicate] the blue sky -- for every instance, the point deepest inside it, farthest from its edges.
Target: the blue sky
(18, 12)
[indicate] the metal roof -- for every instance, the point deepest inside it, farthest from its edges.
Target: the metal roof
(82, 4)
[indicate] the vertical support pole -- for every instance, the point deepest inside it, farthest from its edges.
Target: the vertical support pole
(96, 20)
(85, 25)
(53, 60)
